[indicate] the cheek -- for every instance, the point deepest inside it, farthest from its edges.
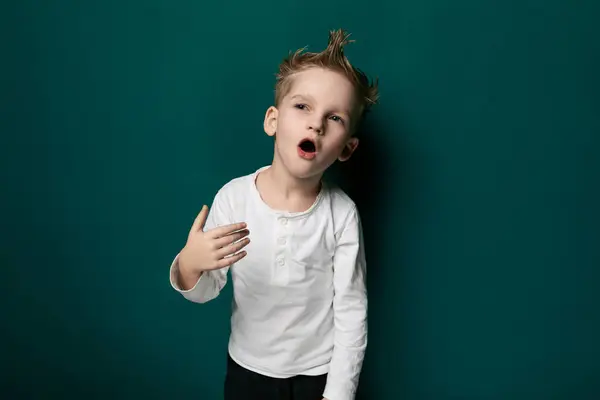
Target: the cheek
(288, 124)
(337, 132)
(333, 148)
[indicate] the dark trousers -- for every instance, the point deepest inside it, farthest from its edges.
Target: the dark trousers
(241, 384)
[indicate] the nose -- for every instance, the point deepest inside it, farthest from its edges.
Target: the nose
(316, 126)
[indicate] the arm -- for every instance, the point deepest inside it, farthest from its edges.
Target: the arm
(208, 285)
(350, 312)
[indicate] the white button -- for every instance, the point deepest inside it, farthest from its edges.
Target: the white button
(283, 221)
(281, 261)
(281, 240)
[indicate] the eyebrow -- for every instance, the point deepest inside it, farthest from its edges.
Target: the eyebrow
(302, 96)
(310, 98)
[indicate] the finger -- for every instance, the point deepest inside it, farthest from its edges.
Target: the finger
(232, 248)
(224, 230)
(200, 219)
(228, 261)
(231, 238)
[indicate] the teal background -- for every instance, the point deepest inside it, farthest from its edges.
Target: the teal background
(477, 178)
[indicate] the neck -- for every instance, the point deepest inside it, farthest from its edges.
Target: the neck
(290, 187)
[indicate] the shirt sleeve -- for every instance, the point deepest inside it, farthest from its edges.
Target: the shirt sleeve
(350, 312)
(210, 283)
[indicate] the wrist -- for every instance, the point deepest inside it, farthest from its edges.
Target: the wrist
(187, 277)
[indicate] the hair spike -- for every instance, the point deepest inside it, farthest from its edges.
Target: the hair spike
(337, 40)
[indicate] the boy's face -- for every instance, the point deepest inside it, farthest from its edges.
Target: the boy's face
(314, 122)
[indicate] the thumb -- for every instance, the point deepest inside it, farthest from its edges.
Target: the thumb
(200, 219)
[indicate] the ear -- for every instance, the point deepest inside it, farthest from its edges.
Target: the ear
(349, 148)
(270, 123)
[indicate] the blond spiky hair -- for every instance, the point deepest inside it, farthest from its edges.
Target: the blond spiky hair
(331, 58)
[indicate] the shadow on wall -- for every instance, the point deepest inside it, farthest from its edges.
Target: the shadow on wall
(376, 178)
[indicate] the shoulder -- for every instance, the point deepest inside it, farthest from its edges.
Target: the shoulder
(230, 198)
(235, 188)
(343, 208)
(339, 198)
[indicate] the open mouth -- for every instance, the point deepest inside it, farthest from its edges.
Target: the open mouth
(308, 146)
(307, 149)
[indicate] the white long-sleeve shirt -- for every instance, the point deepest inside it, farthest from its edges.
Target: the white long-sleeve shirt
(300, 300)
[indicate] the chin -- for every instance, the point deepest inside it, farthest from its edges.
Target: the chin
(300, 169)
(304, 173)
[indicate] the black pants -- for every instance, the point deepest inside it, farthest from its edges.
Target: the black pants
(241, 384)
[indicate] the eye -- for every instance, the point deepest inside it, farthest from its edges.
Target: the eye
(337, 118)
(300, 106)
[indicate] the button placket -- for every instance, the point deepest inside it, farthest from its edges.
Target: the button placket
(281, 240)
(280, 273)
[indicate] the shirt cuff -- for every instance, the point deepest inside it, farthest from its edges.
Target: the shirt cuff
(174, 273)
(334, 391)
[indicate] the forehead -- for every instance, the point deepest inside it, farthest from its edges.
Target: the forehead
(326, 87)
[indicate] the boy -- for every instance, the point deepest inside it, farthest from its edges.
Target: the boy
(299, 315)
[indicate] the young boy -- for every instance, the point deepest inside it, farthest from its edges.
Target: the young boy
(299, 317)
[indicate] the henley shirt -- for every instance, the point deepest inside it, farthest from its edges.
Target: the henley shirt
(299, 295)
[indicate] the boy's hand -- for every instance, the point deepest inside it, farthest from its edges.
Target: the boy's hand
(214, 249)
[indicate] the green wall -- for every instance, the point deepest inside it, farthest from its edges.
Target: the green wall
(477, 179)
